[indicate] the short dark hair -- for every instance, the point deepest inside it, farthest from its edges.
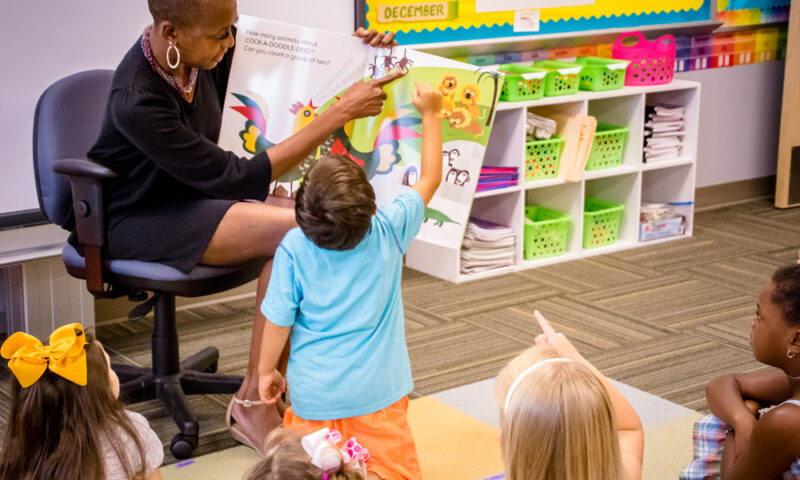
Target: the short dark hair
(787, 293)
(179, 12)
(335, 203)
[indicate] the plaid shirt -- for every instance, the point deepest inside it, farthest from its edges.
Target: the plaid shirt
(707, 436)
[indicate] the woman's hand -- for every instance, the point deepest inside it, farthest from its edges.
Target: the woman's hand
(374, 38)
(427, 100)
(365, 98)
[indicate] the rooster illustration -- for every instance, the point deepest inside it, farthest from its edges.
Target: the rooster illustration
(303, 115)
(395, 127)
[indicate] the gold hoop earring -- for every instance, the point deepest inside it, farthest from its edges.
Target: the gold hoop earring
(177, 52)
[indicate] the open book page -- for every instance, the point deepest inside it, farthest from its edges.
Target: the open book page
(283, 76)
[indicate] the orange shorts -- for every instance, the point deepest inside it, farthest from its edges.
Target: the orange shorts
(385, 433)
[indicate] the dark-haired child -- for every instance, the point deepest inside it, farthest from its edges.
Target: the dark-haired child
(336, 286)
(736, 442)
(65, 420)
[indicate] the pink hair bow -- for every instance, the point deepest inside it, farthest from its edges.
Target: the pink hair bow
(322, 447)
(356, 451)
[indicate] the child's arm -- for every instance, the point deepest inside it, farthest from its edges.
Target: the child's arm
(727, 394)
(630, 431)
(773, 446)
(270, 382)
(429, 103)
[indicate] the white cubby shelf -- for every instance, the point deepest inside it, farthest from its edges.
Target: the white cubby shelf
(631, 183)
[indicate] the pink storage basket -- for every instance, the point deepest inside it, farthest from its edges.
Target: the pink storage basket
(652, 63)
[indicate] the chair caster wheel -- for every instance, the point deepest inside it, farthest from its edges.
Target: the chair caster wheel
(212, 368)
(182, 445)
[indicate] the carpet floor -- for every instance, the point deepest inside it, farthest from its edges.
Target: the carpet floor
(663, 319)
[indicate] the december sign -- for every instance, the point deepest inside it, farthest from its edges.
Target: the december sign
(417, 12)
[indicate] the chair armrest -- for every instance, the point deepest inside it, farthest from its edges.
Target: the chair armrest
(78, 167)
(86, 178)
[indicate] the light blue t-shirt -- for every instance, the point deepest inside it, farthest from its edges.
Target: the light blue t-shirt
(348, 348)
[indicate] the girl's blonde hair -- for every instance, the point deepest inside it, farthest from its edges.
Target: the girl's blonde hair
(287, 460)
(560, 423)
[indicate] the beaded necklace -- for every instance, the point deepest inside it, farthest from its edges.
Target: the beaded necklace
(186, 92)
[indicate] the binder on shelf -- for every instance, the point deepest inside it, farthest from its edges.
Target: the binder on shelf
(492, 178)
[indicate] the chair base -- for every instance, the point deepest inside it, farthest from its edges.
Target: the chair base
(170, 380)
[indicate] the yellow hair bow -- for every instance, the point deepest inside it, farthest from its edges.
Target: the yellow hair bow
(65, 356)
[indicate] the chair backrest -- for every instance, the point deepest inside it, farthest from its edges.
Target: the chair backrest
(66, 125)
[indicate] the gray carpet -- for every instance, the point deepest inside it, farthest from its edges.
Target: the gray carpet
(664, 319)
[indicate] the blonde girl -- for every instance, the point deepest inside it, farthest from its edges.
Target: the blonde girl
(316, 456)
(561, 419)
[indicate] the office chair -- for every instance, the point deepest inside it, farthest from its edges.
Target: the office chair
(66, 124)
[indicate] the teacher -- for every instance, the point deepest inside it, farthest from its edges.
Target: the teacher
(178, 196)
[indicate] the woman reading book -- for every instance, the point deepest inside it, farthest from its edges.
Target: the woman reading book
(177, 198)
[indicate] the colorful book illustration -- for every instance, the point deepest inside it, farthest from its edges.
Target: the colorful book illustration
(283, 76)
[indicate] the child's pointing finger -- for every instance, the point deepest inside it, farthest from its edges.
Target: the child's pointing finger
(546, 328)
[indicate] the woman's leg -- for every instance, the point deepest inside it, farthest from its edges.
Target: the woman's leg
(247, 231)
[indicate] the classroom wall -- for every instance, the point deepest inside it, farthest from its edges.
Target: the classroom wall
(740, 109)
(740, 105)
(47, 39)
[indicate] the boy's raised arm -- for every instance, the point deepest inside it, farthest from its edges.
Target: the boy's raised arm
(429, 103)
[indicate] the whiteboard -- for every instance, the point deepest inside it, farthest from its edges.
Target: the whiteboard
(49, 39)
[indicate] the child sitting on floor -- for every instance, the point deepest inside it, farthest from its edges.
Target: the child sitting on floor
(735, 442)
(336, 285)
(65, 421)
(315, 456)
(560, 419)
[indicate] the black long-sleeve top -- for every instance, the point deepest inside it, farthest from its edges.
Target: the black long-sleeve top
(164, 148)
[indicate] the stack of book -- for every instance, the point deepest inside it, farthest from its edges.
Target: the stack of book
(492, 178)
(663, 132)
(486, 246)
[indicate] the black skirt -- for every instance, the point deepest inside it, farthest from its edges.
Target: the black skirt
(174, 233)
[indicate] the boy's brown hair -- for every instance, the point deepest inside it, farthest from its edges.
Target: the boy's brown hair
(335, 203)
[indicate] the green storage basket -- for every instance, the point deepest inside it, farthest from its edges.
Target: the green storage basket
(545, 233)
(522, 83)
(600, 74)
(542, 158)
(600, 222)
(607, 147)
(561, 79)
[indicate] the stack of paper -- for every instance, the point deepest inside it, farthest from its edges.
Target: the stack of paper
(538, 127)
(492, 178)
(663, 132)
(486, 246)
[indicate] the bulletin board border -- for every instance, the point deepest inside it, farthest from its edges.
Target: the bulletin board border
(578, 26)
